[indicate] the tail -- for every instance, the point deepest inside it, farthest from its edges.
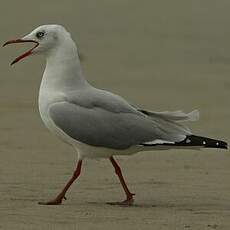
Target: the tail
(195, 141)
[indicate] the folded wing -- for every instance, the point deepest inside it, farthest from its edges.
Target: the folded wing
(99, 124)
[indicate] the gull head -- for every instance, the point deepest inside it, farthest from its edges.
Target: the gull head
(45, 38)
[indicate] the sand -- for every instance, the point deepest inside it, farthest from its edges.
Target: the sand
(161, 55)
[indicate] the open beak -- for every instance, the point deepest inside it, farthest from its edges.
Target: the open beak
(29, 52)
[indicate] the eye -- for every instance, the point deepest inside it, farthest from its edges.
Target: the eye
(40, 34)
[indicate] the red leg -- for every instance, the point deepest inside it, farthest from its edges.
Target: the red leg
(129, 200)
(61, 195)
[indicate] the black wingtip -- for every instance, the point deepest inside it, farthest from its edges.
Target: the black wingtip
(205, 142)
(225, 145)
(196, 141)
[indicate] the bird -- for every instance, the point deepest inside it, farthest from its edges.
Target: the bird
(95, 122)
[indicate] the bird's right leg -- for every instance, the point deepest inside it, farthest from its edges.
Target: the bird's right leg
(129, 196)
(61, 195)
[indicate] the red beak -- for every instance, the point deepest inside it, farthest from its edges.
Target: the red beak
(29, 52)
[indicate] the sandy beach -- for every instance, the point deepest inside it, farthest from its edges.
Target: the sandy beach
(160, 55)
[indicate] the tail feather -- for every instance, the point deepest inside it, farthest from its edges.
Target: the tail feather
(196, 141)
(176, 116)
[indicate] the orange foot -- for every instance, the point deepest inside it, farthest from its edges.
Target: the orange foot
(127, 202)
(56, 201)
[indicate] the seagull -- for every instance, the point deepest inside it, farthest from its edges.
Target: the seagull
(95, 122)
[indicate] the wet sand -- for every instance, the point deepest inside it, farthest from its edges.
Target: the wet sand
(160, 55)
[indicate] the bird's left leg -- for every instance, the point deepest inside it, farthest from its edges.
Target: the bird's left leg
(129, 196)
(61, 195)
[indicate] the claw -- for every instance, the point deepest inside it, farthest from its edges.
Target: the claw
(125, 203)
(56, 201)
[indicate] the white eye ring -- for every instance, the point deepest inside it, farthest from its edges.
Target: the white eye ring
(40, 34)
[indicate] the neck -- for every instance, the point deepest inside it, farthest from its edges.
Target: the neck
(63, 70)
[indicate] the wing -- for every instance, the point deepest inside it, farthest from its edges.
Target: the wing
(175, 116)
(108, 121)
(98, 127)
